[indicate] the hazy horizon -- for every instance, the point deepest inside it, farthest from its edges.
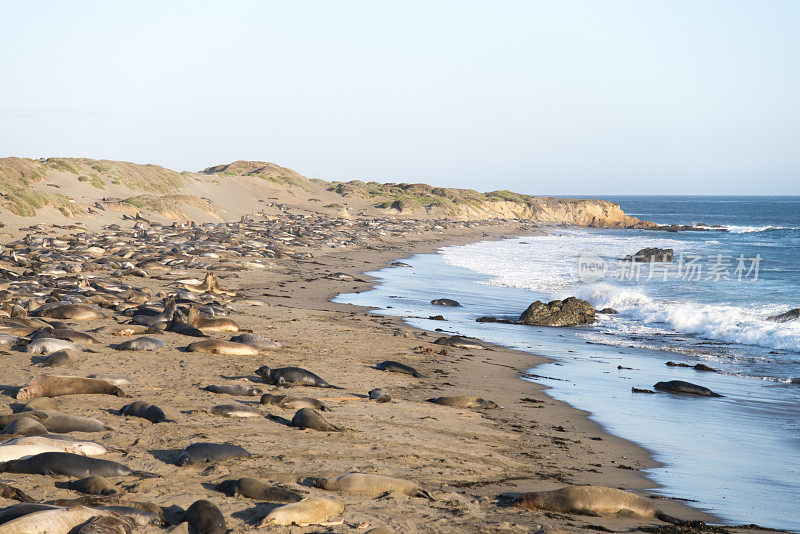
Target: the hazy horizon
(611, 98)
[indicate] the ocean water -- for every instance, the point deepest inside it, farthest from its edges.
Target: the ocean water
(738, 456)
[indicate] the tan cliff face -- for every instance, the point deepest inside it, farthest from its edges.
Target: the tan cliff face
(80, 189)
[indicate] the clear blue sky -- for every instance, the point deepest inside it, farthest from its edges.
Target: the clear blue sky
(590, 97)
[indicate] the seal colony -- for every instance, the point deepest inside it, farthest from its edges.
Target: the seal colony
(200, 321)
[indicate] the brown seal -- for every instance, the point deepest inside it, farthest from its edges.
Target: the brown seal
(55, 386)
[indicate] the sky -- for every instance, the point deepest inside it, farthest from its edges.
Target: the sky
(557, 97)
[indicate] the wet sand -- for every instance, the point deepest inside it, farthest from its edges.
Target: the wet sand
(465, 458)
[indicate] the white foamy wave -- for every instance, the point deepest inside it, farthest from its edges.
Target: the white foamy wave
(755, 229)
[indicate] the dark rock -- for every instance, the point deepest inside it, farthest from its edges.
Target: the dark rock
(652, 254)
(791, 315)
(568, 312)
(677, 364)
(608, 311)
(488, 319)
(437, 318)
(638, 390)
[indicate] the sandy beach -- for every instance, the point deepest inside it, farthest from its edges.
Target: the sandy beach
(465, 458)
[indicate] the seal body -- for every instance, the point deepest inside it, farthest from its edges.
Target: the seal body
(380, 395)
(685, 388)
(142, 343)
(255, 489)
(92, 486)
(460, 342)
(69, 464)
(289, 402)
(145, 410)
(261, 343)
(368, 484)
(464, 401)
(308, 418)
(235, 410)
(52, 521)
(235, 389)
(217, 346)
(445, 302)
(210, 452)
(205, 518)
(58, 422)
(49, 345)
(292, 376)
(307, 511)
(397, 367)
(73, 312)
(589, 500)
(55, 386)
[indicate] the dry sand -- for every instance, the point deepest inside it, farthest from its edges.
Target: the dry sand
(465, 458)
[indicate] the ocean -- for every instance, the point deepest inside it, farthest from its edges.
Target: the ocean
(738, 456)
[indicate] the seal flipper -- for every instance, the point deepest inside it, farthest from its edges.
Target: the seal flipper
(145, 474)
(661, 516)
(424, 494)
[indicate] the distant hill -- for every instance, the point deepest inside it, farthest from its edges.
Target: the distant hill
(62, 189)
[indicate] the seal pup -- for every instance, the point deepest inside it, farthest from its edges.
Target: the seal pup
(397, 367)
(380, 395)
(368, 484)
(460, 342)
(235, 410)
(306, 512)
(445, 302)
(24, 426)
(240, 390)
(465, 401)
(292, 376)
(255, 489)
(210, 452)
(686, 388)
(10, 492)
(591, 500)
(218, 346)
(205, 518)
(59, 422)
(61, 357)
(49, 345)
(308, 418)
(71, 465)
(259, 342)
(108, 525)
(289, 402)
(56, 386)
(90, 486)
(164, 317)
(141, 343)
(145, 410)
(40, 403)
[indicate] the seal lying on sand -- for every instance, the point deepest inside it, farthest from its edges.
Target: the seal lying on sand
(460, 342)
(24, 426)
(261, 343)
(255, 489)
(55, 520)
(61, 357)
(380, 395)
(218, 346)
(49, 345)
(73, 312)
(235, 410)
(55, 386)
(59, 422)
(288, 402)
(205, 518)
(465, 401)
(90, 486)
(69, 464)
(308, 418)
(397, 367)
(10, 492)
(591, 500)
(108, 525)
(368, 484)
(686, 388)
(292, 376)
(306, 512)
(145, 410)
(239, 390)
(141, 343)
(210, 452)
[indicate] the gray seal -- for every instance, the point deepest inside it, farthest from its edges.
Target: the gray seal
(308, 418)
(58, 422)
(90, 486)
(16, 494)
(202, 452)
(25, 426)
(61, 357)
(255, 489)
(685, 388)
(145, 410)
(380, 395)
(205, 518)
(460, 342)
(397, 367)
(235, 389)
(261, 343)
(445, 302)
(465, 401)
(289, 402)
(71, 465)
(141, 343)
(292, 376)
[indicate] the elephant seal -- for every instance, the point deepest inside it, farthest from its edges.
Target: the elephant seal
(164, 317)
(380, 395)
(218, 346)
(685, 388)
(55, 520)
(69, 464)
(49, 345)
(367, 484)
(72, 312)
(145, 410)
(289, 402)
(110, 503)
(460, 342)
(59, 422)
(108, 525)
(255, 489)
(61, 357)
(261, 343)
(210, 452)
(308, 418)
(397, 367)
(591, 500)
(235, 389)
(205, 518)
(90, 486)
(141, 343)
(305, 512)
(27, 446)
(40, 403)
(73, 335)
(25, 426)
(445, 302)
(465, 401)
(292, 376)
(235, 410)
(56, 386)
(16, 494)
